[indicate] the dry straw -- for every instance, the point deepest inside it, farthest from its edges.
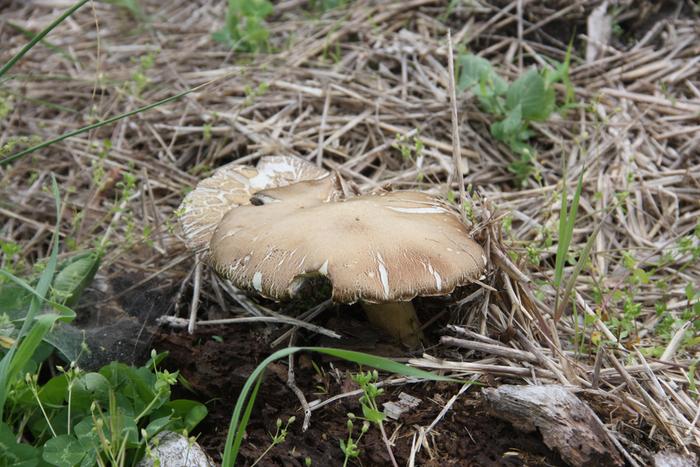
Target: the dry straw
(339, 91)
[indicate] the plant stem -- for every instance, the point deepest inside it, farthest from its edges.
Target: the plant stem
(388, 445)
(41, 406)
(99, 124)
(398, 319)
(40, 36)
(272, 445)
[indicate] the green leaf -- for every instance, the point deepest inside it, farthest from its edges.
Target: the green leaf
(125, 426)
(529, 92)
(86, 434)
(372, 415)
(89, 388)
(75, 275)
(156, 426)
(54, 392)
(13, 298)
(14, 454)
(63, 451)
(474, 71)
(133, 384)
(188, 412)
(34, 327)
(508, 129)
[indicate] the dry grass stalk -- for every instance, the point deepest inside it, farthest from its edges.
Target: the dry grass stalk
(339, 91)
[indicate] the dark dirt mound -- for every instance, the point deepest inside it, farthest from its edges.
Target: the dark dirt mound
(217, 361)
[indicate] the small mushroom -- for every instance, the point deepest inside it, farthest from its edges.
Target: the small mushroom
(233, 185)
(381, 249)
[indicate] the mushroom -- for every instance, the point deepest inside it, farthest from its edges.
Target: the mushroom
(233, 185)
(381, 249)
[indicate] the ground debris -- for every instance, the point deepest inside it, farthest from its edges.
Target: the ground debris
(405, 403)
(674, 459)
(567, 424)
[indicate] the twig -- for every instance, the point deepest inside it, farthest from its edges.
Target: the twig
(456, 146)
(291, 383)
(183, 323)
(196, 286)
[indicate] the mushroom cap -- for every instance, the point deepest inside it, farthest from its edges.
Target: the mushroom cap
(233, 185)
(381, 247)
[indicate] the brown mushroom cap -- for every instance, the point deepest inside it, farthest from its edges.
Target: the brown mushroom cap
(383, 247)
(233, 185)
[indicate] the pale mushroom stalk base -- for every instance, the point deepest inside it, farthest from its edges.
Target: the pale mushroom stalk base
(398, 319)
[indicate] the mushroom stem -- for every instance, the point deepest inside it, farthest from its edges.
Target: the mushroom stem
(398, 319)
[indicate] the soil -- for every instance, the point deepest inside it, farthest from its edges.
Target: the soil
(217, 361)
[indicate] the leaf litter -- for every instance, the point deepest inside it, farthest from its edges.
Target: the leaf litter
(338, 88)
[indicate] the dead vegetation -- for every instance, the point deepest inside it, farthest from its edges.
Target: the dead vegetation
(338, 90)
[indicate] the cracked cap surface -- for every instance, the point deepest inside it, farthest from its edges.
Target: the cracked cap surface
(233, 185)
(383, 247)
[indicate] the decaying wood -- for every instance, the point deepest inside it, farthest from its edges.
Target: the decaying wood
(675, 459)
(567, 425)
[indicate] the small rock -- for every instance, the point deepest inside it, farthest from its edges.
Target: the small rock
(174, 450)
(674, 459)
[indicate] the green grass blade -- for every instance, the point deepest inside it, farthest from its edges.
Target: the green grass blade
(239, 421)
(246, 417)
(54, 48)
(561, 247)
(567, 220)
(40, 328)
(10, 361)
(40, 36)
(99, 124)
(585, 254)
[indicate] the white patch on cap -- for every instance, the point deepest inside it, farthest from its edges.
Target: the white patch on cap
(438, 279)
(323, 270)
(383, 275)
(269, 171)
(257, 281)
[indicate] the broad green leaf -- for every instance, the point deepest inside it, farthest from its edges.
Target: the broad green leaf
(75, 275)
(157, 425)
(528, 91)
(55, 390)
(89, 388)
(14, 454)
(13, 298)
(32, 343)
(63, 451)
(185, 413)
(508, 130)
(86, 434)
(134, 384)
(474, 71)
